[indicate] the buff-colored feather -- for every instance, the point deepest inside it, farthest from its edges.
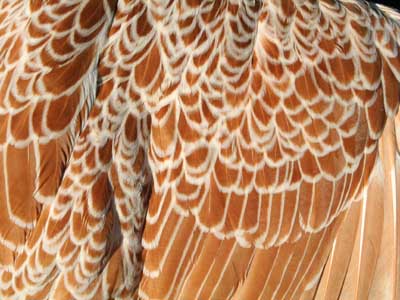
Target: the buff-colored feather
(190, 149)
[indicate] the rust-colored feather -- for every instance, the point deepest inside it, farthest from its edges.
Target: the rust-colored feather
(190, 149)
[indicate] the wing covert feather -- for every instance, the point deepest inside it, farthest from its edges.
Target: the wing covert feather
(49, 53)
(199, 149)
(265, 146)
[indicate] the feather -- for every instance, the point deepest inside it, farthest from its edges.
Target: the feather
(190, 149)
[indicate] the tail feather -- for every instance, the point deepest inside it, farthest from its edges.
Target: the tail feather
(387, 278)
(364, 262)
(368, 239)
(334, 274)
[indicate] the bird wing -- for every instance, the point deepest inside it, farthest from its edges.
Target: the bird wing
(265, 124)
(88, 242)
(363, 262)
(48, 58)
(256, 125)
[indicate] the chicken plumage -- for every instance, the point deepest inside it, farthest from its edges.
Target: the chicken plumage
(197, 149)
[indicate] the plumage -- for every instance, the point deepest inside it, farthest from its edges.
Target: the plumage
(195, 149)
